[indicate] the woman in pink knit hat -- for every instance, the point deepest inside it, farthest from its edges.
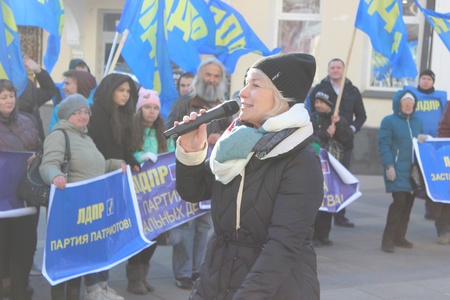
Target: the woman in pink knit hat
(148, 142)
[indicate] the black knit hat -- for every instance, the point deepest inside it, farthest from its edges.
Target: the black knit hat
(429, 73)
(324, 97)
(291, 73)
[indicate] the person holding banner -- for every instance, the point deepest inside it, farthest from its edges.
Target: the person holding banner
(430, 107)
(351, 108)
(110, 127)
(265, 183)
(86, 162)
(333, 134)
(148, 141)
(441, 211)
(395, 146)
(18, 235)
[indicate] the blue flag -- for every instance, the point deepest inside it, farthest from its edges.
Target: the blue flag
(145, 49)
(11, 64)
(382, 21)
(234, 37)
(48, 15)
(190, 25)
(439, 22)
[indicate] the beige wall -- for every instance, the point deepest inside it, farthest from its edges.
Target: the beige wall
(86, 15)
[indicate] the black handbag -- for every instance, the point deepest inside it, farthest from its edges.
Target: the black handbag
(32, 189)
(417, 181)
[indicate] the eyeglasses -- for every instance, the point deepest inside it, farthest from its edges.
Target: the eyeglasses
(82, 113)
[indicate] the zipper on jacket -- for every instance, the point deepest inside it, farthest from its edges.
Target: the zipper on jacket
(411, 135)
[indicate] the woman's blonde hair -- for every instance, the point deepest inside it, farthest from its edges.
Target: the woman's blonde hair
(282, 104)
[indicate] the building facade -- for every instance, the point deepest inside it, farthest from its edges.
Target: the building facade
(323, 28)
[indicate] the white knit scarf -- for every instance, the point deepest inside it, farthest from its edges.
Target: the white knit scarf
(236, 156)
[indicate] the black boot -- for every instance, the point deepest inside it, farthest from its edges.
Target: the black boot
(73, 289)
(388, 246)
(144, 279)
(135, 275)
(58, 291)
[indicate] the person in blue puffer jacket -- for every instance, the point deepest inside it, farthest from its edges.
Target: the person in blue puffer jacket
(396, 147)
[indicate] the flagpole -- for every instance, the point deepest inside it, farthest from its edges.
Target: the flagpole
(119, 50)
(113, 46)
(344, 77)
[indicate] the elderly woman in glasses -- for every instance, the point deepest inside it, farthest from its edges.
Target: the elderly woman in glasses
(86, 162)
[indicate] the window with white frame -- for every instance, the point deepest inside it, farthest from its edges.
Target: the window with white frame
(299, 29)
(299, 25)
(380, 77)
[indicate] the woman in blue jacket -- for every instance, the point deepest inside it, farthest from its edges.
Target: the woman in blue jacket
(395, 145)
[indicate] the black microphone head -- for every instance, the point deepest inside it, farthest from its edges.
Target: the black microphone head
(230, 107)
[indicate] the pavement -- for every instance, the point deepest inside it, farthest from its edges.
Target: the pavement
(354, 268)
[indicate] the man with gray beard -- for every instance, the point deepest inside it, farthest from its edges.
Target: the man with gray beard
(208, 91)
(190, 239)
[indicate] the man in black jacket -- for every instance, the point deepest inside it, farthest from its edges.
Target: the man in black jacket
(351, 108)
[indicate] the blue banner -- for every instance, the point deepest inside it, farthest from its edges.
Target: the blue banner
(145, 49)
(92, 226)
(382, 21)
(11, 63)
(439, 22)
(160, 205)
(13, 166)
(96, 224)
(433, 157)
(234, 37)
(49, 15)
(340, 187)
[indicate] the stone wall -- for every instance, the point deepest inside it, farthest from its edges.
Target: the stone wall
(365, 157)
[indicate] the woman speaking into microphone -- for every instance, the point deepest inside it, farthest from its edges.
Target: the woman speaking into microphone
(265, 183)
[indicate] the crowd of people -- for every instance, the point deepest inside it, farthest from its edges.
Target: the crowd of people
(263, 176)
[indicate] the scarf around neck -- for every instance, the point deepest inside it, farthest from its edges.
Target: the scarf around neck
(239, 142)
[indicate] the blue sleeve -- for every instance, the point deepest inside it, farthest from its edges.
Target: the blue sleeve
(385, 143)
(308, 104)
(54, 119)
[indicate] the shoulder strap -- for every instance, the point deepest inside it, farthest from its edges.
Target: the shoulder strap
(67, 155)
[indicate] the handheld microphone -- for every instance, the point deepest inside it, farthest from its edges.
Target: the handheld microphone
(226, 109)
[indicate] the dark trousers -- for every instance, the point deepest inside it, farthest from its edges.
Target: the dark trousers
(441, 214)
(18, 238)
(143, 257)
(69, 290)
(398, 216)
(322, 225)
